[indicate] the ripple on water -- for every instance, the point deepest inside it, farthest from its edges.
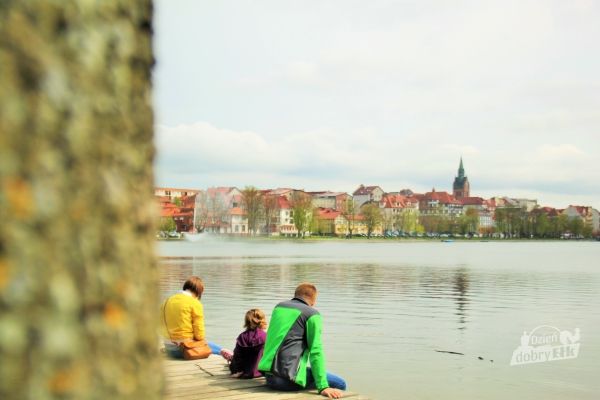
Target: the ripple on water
(387, 311)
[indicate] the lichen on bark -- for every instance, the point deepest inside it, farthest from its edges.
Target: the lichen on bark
(78, 276)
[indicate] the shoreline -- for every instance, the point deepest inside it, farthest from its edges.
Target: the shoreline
(234, 238)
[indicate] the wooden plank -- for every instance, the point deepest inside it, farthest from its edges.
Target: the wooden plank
(209, 379)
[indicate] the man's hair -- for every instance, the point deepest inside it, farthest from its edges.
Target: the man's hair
(194, 284)
(255, 318)
(306, 290)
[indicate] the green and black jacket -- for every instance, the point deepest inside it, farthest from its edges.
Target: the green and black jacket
(294, 338)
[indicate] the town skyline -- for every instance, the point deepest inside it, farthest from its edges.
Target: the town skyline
(448, 187)
(340, 93)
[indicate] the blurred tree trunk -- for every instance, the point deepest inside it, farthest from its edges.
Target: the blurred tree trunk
(78, 278)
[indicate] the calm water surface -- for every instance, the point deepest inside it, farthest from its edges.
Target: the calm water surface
(388, 306)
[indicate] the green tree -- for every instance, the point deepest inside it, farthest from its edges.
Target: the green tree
(321, 226)
(372, 217)
(406, 220)
(176, 201)
(509, 220)
(252, 203)
(167, 224)
(301, 204)
(388, 222)
(576, 226)
(561, 224)
(541, 225)
(468, 222)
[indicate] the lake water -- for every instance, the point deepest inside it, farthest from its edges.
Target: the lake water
(388, 306)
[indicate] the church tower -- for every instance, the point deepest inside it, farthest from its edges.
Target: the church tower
(461, 187)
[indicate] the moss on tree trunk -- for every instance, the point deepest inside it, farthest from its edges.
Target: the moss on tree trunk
(78, 277)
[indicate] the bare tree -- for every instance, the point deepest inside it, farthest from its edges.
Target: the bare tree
(270, 210)
(217, 211)
(201, 209)
(349, 212)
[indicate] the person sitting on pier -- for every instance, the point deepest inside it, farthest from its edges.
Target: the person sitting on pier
(183, 322)
(248, 346)
(294, 339)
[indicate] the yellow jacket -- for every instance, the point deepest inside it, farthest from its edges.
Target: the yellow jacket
(184, 317)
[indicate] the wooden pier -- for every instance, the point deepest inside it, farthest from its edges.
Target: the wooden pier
(209, 379)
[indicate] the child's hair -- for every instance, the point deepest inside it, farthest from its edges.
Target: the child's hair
(255, 318)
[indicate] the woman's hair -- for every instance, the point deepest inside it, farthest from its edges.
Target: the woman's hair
(255, 318)
(194, 284)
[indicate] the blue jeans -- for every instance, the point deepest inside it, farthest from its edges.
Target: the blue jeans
(277, 383)
(174, 351)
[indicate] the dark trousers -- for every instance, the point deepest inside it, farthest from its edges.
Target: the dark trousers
(278, 383)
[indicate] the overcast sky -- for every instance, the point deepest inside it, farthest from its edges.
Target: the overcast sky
(326, 95)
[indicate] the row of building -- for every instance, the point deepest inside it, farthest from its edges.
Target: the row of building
(221, 210)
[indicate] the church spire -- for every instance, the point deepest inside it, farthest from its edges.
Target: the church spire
(461, 185)
(461, 169)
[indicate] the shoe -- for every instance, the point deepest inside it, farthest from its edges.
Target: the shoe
(227, 355)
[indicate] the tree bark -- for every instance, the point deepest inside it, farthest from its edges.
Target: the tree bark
(78, 276)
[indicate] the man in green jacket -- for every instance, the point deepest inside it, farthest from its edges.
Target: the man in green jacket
(294, 339)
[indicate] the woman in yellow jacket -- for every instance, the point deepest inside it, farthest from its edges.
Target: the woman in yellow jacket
(183, 318)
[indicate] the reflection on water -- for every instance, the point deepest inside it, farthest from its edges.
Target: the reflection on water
(387, 307)
(461, 285)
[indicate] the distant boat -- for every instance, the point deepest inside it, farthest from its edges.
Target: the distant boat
(447, 240)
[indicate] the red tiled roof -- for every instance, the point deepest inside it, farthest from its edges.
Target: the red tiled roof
(237, 211)
(491, 203)
(442, 197)
(364, 190)
(163, 199)
(549, 211)
(472, 201)
(189, 201)
(327, 213)
(328, 194)
(280, 191)
(283, 202)
(213, 191)
(397, 201)
(175, 212)
(581, 210)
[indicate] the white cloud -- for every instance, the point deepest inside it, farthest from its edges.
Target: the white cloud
(390, 93)
(560, 152)
(202, 155)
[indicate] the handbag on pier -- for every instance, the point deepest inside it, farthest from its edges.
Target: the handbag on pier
(191, 349)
